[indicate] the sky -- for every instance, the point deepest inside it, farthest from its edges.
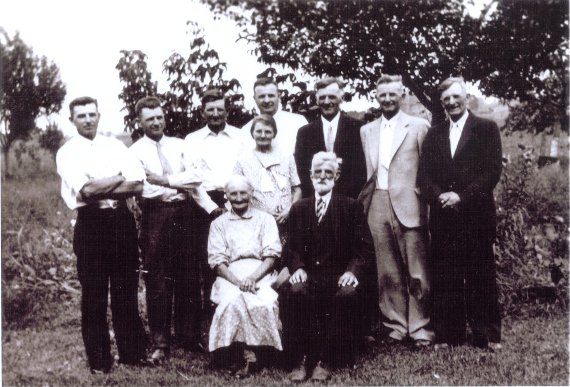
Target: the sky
(85, 38)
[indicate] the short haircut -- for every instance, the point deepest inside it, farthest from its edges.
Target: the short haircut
(264, 81)
(238, 179)
(325, 157)
(149, 102)
(265, 119)
(388, 78)
(213, 95)
(322, 83)
(446, 84)
(81, 101)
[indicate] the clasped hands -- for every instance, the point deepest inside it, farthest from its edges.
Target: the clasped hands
(248, 285)
(347, 279)
(449, 200)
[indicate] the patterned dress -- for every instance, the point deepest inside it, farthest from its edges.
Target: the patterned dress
(273, 175)
(243, 242)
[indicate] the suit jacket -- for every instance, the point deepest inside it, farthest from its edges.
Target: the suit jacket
(341, 242)
(347, 145)
(472, 173)
(409, 206)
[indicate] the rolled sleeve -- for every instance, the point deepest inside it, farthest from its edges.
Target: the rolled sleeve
(218, 250)
(271, 244)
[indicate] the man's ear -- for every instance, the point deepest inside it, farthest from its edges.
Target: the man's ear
(71, 119)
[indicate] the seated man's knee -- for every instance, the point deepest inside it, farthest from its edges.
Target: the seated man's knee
(346, 292)
(299, 289)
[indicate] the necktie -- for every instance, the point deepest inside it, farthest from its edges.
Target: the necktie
(320, 210)
(330, 139)
(166, 169)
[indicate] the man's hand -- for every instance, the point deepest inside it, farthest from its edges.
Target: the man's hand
(348, 279)
(282, 216)
(247, 285)
(299, 276)
(156, 179)
(217, 212)
(449, 200)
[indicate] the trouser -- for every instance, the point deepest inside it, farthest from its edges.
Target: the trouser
(403, 276)
(465, 288)
(172, 273)
(105, 243)
(321, 320)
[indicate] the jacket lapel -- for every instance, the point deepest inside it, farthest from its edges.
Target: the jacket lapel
(400, 133)
(465, 135)
(443, 141)
(374, 142)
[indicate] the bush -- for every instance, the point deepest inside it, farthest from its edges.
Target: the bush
(532, 233)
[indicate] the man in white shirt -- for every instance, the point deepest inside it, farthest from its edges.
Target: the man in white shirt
(333, 131)
(214, 151)
(97, 175)
(397, 215)
(460, 166)
(267, 97)
(171, 266)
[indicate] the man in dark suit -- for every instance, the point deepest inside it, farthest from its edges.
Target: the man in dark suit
(459, 168)
(329, 245)
(335, 132)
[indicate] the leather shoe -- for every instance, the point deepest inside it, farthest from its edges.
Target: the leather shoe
(320, 373)
(158, 357)
(299, 373)
(245, 371)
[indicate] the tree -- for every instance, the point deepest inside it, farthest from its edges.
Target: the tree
(188, 78)
(507, 47)
(31, 86)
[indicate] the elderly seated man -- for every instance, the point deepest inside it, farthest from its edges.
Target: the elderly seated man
(329, 245)
(243, 247)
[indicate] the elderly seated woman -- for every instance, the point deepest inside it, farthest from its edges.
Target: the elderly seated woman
(243, 247)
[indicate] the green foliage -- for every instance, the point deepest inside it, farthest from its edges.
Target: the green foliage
(508, 47)
(30, 86)
(188, 78)
(532, 232)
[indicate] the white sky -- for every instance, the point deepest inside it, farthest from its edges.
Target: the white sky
(85, 38)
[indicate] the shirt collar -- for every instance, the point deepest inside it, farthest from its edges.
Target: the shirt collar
(208, 132)
(460, 122)
(333, 122)
(247, 215)
(392, 120)
(326, 198)
(161, 141)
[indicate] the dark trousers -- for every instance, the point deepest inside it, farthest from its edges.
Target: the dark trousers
(464, 287)
(172, 273)
(321, 320)
(105, 243)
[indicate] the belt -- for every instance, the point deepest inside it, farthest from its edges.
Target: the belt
(121, 205)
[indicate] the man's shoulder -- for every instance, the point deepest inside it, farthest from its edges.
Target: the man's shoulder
(481, 121)
(348, 120)
(367, 127)
(289, 116)
(196, 135)
(415, 120)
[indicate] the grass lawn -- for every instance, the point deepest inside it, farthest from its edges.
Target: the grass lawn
(535, 352)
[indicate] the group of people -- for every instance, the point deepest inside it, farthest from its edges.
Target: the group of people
(293, 233)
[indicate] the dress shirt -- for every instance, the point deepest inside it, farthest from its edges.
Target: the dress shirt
(184, 176)
(326, 199)
(252, 235)
(387, 129)
(215, 155)
(327, 125)
(455, 130)
(81, 159)
(288, 125)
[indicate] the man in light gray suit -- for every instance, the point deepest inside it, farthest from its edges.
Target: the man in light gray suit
(397, 215)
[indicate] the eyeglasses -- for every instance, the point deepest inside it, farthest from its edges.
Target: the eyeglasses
(329, 174)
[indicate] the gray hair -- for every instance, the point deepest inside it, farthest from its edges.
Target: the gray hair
(447, 83)
(238, 179)
(325, 157)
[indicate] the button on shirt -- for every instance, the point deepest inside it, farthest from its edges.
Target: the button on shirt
(455, 130)
(215, 155)
(81, 159)
(330, 129)
(387, 129)
(183, 177)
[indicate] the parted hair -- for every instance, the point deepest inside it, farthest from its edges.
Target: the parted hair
(446, 84)
(388, 78)
(263, 81)
(213, 95)
(148, 102)
(322, 83)
(264, 119)
(81, 101)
